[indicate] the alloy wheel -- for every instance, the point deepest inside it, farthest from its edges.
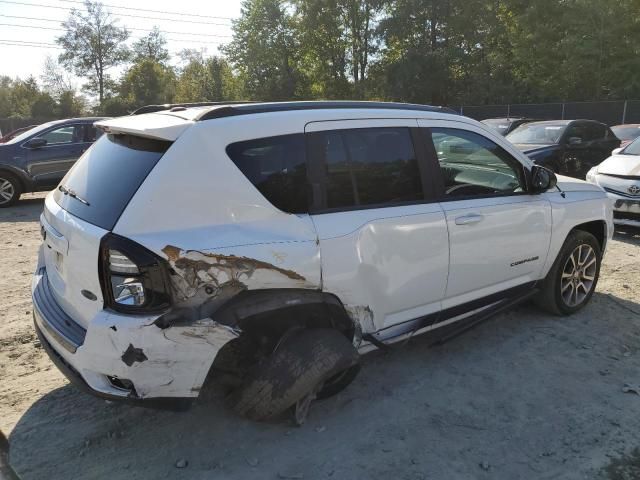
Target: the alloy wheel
(7, 191)
(578, 275)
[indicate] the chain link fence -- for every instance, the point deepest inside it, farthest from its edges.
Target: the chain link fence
(611, 113)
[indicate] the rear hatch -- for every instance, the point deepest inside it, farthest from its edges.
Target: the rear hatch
(86, 206)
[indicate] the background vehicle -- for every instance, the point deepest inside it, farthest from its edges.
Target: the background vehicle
(568, 147)
(504, 126)
(619, 175)
(309, 232)
(626, 133)
(38, 158)
(14, 133)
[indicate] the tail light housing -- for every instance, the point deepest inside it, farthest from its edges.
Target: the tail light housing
(133, 279)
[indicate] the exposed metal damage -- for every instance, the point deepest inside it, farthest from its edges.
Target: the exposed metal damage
(203, 281)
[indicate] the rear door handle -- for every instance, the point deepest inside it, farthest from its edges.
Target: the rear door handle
(469, 219)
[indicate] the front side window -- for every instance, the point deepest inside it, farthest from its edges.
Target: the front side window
(277, 167)
(62, 135)
(577, 134)
(369, 166)
(472, 165)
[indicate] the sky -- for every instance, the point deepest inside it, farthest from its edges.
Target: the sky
(28, 28)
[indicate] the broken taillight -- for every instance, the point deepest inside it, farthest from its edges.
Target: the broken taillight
(133, 279)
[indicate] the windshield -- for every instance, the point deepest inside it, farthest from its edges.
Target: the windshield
(502, 126)
(537, 134)
(27, 134)
(633, 148)
(100, 185)
(626, 133)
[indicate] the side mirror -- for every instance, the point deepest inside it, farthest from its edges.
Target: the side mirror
(542, 179)
(575, 141)
(36, 142)
(616, 151)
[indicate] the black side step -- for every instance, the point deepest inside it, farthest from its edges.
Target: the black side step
(457, 328)
(482, 317)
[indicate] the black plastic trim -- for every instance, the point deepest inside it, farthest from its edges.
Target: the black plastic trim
(164, 403)
(52, 318)
(231, 110)
(506, 298)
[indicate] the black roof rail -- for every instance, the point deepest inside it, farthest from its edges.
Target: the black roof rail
(169, 106)
(231, 109)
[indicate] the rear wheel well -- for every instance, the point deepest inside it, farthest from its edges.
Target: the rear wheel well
(264, 317)
(597, 228)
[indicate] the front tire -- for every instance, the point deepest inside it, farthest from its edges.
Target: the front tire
(10, 189)
(573, 277)
(298, 367)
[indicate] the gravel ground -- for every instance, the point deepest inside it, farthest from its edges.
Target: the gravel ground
(523, 396)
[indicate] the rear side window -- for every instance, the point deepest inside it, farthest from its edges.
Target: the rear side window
(107, 176)
(277, 167)
(368, 166)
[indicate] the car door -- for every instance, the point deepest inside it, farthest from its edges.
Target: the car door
(602, 141)
(499, 234)
(49, 163)
(578, 149)
(383, 240)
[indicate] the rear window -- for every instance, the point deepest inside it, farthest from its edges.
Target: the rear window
(278, 169)
(107, 176)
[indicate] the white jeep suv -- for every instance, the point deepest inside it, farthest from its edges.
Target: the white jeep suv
(264, 247)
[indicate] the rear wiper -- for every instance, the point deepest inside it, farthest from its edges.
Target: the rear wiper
(72, 194)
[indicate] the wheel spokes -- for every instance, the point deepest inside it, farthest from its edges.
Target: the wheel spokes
(579, 274)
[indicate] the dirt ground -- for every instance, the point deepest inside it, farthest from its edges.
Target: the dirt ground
(523, 396)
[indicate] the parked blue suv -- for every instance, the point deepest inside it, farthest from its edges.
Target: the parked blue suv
(37, 159)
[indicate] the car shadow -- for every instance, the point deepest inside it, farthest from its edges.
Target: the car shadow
(627, 235)
(413, 405)
(28, 209)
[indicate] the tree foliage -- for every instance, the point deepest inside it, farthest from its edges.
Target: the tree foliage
(448, 52)
(93, 43)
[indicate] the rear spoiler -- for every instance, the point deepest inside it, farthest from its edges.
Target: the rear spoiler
(156, 126)
(182, 106)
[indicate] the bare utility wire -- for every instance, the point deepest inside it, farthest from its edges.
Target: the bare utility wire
(127, 15)
(39, 27)
(154, 11)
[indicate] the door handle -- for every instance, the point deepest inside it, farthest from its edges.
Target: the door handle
(469, 219)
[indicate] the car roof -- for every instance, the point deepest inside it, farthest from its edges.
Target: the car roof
(505, 119)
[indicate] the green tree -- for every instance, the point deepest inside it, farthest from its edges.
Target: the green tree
(93, 43)
(151, 47)
(206, 79)
(147, 82)
(265, 50)
(44, 106)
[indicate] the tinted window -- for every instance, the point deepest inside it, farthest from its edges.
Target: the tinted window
(473, 165)
(67, 134)
(277, 167)
(596, 131)
(107, 176)
(369, 166)
(92, 133)
(577, 131)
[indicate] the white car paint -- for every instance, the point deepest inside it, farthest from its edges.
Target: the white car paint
(386, 265)
(619, 175)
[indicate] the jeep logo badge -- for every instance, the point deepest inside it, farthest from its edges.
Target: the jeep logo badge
(634, 190)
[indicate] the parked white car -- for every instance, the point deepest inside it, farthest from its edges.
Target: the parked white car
(264, 247)
(619, 175)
